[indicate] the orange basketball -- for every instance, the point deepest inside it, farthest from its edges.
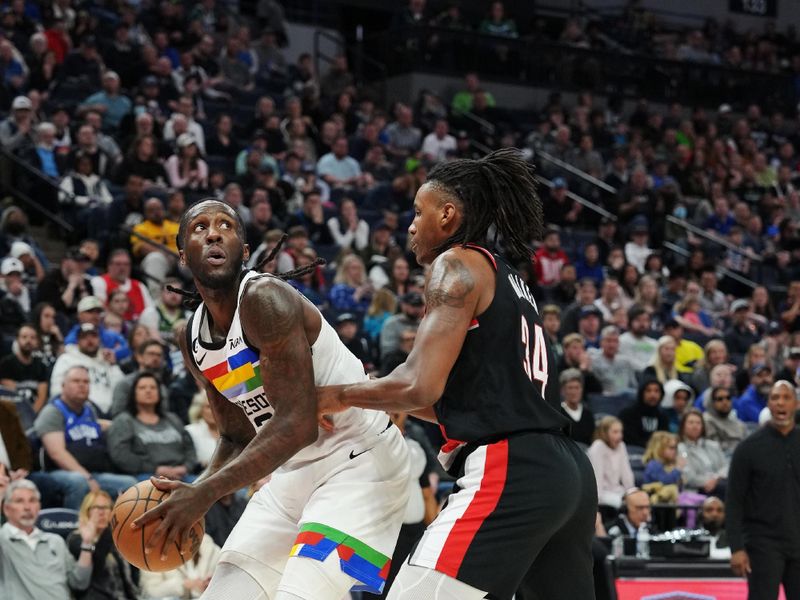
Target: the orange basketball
(130, 542)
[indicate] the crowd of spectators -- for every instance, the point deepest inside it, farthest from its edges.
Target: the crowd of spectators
(131, 115)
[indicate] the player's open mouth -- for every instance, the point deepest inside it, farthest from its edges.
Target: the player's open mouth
(781, 415)
(215, 256)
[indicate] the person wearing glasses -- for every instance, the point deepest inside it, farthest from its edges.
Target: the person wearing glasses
(722, 424)
(111, 574)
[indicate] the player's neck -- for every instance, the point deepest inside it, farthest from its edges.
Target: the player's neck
(221, 306)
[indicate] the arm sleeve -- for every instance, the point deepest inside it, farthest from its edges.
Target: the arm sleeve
(362, 235)
(120, 446)
(628, 480)
(692, 474)
(738, 483)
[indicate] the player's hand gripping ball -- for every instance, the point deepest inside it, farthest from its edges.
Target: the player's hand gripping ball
(131, 542)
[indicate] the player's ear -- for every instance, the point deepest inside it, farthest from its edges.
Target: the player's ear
(448, 213)
(181, 258)
(246, 253)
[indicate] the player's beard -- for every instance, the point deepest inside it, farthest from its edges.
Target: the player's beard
(220, 279)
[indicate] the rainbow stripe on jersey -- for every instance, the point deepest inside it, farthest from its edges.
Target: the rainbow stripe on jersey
(356, 558)
(238, 374)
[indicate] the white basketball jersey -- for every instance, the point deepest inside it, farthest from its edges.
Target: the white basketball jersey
(232, 366)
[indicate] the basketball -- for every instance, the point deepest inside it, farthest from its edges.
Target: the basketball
(131, 542)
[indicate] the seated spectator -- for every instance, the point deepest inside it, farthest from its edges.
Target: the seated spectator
(15, 299)
(349, 232)
(716, 353)
(82, 191)
(635, 514)
(589, 264)
(551, 324)
(189, 580)
(589, 322)
(661, 467)
(311, 283)
(74, 440)
(110, 103)
(612, 468)
(348, 331)
(637, 249)
(15, 463)
(25, 374)
(203, 430)
(575, 356)
(340, 171)
(118, 275)
(312, 218)
(712, 518)
(635, 344)
(438, 143)
(722, 425)
(412, 309)
(646, 416)
(352, 290)
(112, 575)
(223, 515)
(16, 130)
(742, 333)
(662, 366)
(155, 261)
(90, 310)
(142, 160)
(616, 373)
(549, 258)
(706, 469)
(754, 399)
(149, 358)
(392, 360)
(403, 137)
(51, 340)
(581, 418)
(222, 142)
(65, 285)
(586, 295)
(382, 306)
(185, 113)
(677, 397)
(28, 572)
(186, 169)
(146, 440)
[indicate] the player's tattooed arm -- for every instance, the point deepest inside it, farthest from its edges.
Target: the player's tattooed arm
(452, 295)
(272, 319)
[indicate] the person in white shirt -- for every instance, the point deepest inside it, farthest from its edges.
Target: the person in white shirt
(637, 250)
(348, 230)
(615, 372)
(203, 429)
(438, 143)
(635, 345)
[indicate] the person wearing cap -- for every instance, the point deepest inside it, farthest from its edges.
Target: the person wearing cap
(90, 310)
(84, 64)
(25, 374)
(687, 353)
(33, 270)
(590, 320)
(109, 102)
(186, 169)
(637, 249)
(412, 308)
(721, 421)
(89, 353)
(754, 398)
(15, 299)
(549, 258)
(559, 208)
(186, 110)
(582, 427)
(118, 275)
(742, 333)
(762, 520)
(790, 371)
(16, 130)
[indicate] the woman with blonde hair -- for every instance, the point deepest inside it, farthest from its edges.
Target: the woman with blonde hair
(352, 290)
(663, 366)
(662, 477)
(202, 428)
(612, 468)
(383, 306)
(111, 574)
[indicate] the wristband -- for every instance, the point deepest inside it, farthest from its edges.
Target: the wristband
(87, 547)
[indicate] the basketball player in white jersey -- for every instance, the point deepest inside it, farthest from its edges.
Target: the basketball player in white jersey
(329, 518)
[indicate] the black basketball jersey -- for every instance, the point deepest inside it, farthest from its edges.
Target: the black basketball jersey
(505, 378)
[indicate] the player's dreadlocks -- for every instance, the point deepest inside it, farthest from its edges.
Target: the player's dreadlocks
(193, 299)
(498, 189)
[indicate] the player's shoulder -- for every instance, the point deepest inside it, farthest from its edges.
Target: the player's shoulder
(266, 297)
(265, 287)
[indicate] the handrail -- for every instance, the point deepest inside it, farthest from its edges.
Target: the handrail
(486, 125)
(149, 240)
(710, 236)
(724, 270)
(18, 193)
(576, 171)
(320, 33)
(580, 200)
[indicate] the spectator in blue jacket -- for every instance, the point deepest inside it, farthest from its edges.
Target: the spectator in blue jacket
(750, 404)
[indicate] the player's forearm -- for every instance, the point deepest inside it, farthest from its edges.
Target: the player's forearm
(275, 444)
(401, 391)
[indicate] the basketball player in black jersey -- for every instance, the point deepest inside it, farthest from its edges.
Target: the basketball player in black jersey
(522, 514)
